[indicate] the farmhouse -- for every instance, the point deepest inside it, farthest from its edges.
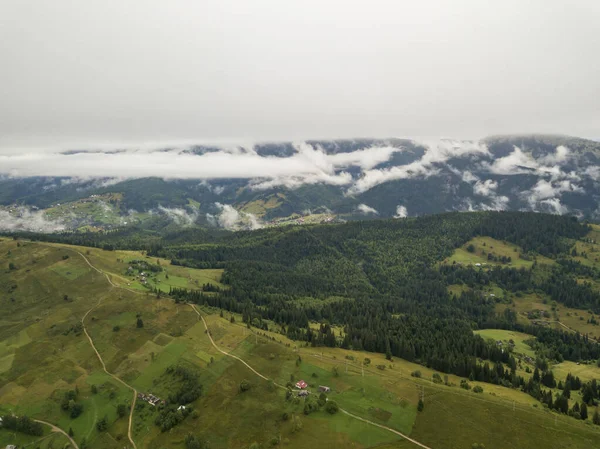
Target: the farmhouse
(150, 399)
(301, 384)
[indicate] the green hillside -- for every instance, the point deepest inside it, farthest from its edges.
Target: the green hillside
(363, 308)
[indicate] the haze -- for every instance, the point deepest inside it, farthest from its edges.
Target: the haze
(80, 74)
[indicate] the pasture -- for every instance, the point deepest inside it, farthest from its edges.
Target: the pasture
(504, 336)
(484, 246)
(44, 354)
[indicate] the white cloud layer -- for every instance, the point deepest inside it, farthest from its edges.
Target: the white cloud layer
(436, 153)
(401, 212)
(26, 219)
(232, 219)
(366, 210)
(179, 216)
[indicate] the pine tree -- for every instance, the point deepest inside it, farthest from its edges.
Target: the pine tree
(583, 411)
(596, 418)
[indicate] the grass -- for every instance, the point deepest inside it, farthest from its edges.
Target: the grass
(586, 372)
(487, 245)
(504, 336)
(47, 441)
(551, 312)
(48, 359)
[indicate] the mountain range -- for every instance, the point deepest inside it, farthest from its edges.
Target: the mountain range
(251, 186)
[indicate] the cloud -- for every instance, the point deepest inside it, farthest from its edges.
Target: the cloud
(436, 153)
(486, 188)
(469, 177)
(232, 219)
(554, 206)
(179, 216)
(515, 163)
(228, 217)
(546, 189)
(293, 182)
(561, 154)
(307, 165)
(401, 212)
(366, 210)
(519, 162)
(545, 195)
(25, 219)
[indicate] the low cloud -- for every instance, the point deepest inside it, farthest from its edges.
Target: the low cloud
(401, 212)
(545, 195)
(554, 206)
(26, 219)
(293, 182)
(485, 188)
(179, 216)
(366, 210)
(436, 153)
(308, 165)
(232, 219)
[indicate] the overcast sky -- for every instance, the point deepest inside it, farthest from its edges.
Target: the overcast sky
(84, 73)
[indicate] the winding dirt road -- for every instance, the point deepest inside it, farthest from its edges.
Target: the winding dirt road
(58, 430)
(200, 317)
(389, 429)
(135, 393)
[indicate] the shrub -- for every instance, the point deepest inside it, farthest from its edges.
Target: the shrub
(477, 389)
(331, 407)
(416, 374)
(244, 385)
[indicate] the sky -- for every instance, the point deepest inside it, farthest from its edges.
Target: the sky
(85, 74)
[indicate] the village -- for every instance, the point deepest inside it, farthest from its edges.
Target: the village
(302, 391)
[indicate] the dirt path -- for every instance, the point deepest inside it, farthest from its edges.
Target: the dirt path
(107, 276)
(58, 430)
(100, 357)
(389, 429)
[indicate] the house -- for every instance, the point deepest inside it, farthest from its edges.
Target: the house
(11, 446)
(181, 407)
(477, 264)
(324, 389)
(301, 384)
(303, 393)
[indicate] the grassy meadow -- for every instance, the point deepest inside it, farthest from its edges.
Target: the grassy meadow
(44, 353)
(486, 245)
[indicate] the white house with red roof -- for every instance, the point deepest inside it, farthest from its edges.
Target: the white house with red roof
(301, 384)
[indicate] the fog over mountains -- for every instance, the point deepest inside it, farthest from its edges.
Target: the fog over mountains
(225, 186)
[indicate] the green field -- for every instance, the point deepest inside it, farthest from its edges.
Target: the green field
(518, 338)
(482, 246)
(43, 355)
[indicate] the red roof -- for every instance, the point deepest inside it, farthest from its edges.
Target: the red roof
(301, 384)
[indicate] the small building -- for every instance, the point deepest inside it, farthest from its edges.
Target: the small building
(181, 407)
(11, 446)
(301, 384)
(324, 389)
(302, 393)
